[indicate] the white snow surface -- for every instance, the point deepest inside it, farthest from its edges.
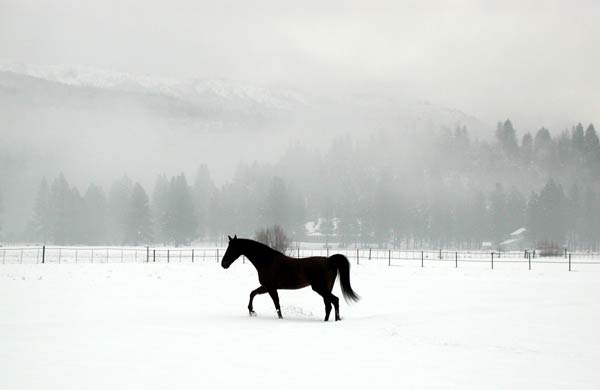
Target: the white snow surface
(186, 326)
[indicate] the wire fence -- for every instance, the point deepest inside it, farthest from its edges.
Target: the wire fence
(76, 254)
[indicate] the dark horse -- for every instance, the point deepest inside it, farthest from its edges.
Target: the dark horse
(278, 271)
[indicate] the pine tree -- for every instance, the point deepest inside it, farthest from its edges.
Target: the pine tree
(182, 224)
(202, 190)
(96, 216)
(40, 226)
(160, 208)
(498, 213)
(507, 137)
(139, 221)
(118, 206)
(60, 206)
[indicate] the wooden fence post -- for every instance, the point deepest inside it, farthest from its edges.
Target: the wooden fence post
(369, 253)
(192, 255)
(422, 256)
(154, 255)
(456, 259)
(492, 260)
(147, 254)
(168, 256)
(389, 258)
(529, 259)
(357, 261)
(569, 262)
(59, 252)
(43, 254)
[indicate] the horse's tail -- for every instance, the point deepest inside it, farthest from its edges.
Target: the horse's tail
(343, 267)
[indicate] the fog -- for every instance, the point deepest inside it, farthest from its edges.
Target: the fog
(100, 89)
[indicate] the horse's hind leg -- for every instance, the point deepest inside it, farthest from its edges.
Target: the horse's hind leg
(336, 303)
(327, 308)
(275, 298)
(260, 290)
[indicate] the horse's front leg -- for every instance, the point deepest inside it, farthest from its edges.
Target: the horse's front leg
(260, 290)
(275, 298)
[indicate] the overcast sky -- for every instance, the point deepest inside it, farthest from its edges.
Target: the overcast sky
(534, 61)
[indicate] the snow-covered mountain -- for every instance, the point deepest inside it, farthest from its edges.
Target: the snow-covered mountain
(223, 104)
(215, 93)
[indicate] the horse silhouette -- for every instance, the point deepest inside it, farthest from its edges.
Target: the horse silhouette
(278, 271)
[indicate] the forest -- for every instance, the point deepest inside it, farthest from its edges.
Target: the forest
(405, 190)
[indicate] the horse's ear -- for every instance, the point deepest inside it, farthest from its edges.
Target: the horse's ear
(235, 237)
(229, 238)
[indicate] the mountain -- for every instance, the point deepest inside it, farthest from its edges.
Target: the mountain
(221, 104)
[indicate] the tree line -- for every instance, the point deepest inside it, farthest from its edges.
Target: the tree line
(390, 189)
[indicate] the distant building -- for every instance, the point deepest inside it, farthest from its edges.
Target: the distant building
(515, 242)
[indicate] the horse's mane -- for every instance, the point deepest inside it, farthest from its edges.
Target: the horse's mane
(259, 246)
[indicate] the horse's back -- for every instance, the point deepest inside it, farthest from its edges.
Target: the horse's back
(292, 273)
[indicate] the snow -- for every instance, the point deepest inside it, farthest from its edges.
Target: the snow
(183, 325)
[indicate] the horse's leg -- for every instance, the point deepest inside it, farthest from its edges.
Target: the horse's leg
(336, 303)
(326, 299)
(327, 308)
(260, 290)
(275, 298)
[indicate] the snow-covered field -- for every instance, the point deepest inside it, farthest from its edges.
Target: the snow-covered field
(183, 325)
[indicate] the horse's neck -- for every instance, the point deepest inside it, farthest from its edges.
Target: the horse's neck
(258, 256)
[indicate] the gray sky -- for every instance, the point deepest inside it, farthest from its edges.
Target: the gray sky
(536, 62)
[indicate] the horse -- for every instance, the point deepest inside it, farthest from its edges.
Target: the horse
(278, 271)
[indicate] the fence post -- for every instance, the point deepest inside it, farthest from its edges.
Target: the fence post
(327, 251)
(357, 257)
(569, 262)
(168, 256)
(456, 259)
(92, 256)
(298, 252)
(492, 260)
(422, 259)
(192, 255)
(43, 254)
(59, 253)
(440, 254)
(389, 258)
(529, 258)
(21, 256)
(147, 254)
(369, 253)
(154, 255)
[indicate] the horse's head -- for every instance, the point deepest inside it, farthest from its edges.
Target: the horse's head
(232, 253)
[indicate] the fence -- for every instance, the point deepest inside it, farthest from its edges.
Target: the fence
(55, 254)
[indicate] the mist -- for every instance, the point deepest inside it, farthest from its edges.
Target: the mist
(251, 92)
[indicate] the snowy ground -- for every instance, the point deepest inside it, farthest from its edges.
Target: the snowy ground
(180, 326)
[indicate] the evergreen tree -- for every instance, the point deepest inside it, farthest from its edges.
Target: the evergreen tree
(139, 221)
(160, 208)
(592, 151)
(202, 190)
(577, 139)
(40, 226)
(61, 211)
(498, 213)
(182, 223)
(96, 215)
(118, 207)
(507, 137)
(527, 148)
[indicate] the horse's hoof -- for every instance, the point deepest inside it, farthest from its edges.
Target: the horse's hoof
(252, 313)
